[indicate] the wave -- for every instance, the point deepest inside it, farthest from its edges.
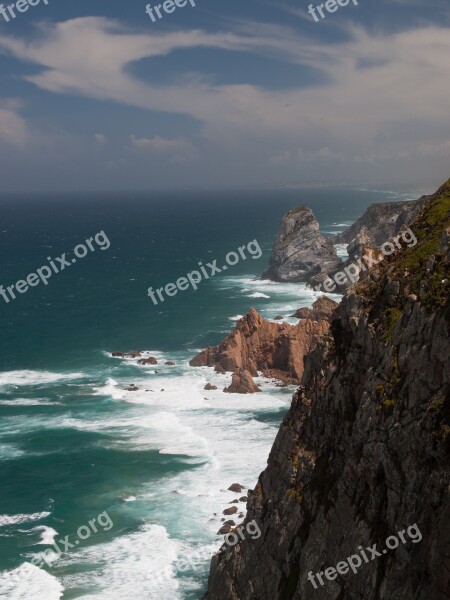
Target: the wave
(138, 565)
(257, 295)
(28, 402)
(28, 582)
(6, 520)
(47, 535)
(28, 378)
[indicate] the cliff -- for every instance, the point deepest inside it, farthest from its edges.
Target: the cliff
(381, 222)
(300, 251)
(364, 451)
(275, 349)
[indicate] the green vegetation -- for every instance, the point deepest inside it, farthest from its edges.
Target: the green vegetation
(392, 315)
(433, 221)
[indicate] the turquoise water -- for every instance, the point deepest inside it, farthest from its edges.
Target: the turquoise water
(156, 462)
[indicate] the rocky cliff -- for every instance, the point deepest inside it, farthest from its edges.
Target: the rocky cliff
(381, 222)
(364, 451)
(300, 251)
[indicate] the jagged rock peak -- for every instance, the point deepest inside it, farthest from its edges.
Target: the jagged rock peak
(300, 251)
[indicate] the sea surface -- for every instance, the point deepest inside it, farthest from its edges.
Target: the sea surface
(156, 462)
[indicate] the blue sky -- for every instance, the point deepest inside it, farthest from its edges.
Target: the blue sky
(95, 96)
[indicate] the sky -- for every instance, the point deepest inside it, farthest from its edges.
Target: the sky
(94, 95)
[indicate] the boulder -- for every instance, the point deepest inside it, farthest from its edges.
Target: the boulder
(242, 383)
(148, 361)
(230, 511)
(321, 310)
(236, 487)
(208, 386)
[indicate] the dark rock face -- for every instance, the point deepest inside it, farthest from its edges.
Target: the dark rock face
(242, 383)
(300, 251)
(364, 451)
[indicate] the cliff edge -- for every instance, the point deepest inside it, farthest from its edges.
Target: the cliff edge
(364, 451)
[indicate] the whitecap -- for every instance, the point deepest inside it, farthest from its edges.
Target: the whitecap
(28, 582)
(138, 565)
(257, 295)
(28, 402)
(27, 377)
(21, 518)
(47, 535)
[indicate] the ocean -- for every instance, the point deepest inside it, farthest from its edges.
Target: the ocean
(156, 462)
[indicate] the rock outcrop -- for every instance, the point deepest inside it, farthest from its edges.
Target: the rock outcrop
(300, 251)
(381, 222)
(364, 451)
(242, 383)
(275, 349)
(321, 310)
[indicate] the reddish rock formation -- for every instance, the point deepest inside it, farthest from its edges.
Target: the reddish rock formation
(321, 310)
(242, 383)
(275, 349)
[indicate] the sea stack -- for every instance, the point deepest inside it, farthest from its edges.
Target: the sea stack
(300, 251)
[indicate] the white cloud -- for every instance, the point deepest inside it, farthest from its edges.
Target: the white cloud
(368, 84)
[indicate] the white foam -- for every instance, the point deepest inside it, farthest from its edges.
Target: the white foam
(111, 388)
(9, 451)
(47, 535)
(21, 518)
(130, 566)
(28, 582)
(26, 377)
(28, 402)
(236, 317)
(257, 295)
